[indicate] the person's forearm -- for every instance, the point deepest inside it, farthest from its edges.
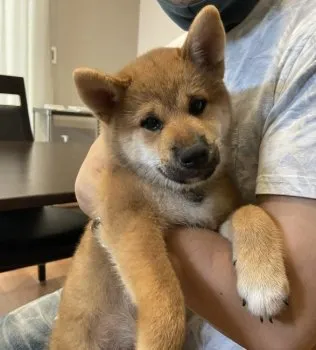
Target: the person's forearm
(198, 253)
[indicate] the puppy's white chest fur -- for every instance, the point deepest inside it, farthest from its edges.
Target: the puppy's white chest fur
(191, 208)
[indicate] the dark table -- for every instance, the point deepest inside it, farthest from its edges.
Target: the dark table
(38, 174)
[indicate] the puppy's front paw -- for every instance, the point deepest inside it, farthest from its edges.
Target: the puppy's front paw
(258, 248)
(264, 288)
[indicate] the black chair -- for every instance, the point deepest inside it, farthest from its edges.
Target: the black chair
(32, 236)
(14, 120)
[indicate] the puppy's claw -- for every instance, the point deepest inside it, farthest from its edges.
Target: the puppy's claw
(244, 302)
(234, 262)
(286, 302)
(261, 319)
(270, 319)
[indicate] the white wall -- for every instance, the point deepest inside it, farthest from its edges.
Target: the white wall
(155, 27)
(104, 34)
(100, 34)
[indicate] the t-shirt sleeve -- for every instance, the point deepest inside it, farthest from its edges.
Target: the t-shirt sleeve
(287, 157)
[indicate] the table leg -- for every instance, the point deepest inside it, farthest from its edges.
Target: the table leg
(41, 269)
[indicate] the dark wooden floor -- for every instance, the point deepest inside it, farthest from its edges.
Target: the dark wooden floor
(21, 286)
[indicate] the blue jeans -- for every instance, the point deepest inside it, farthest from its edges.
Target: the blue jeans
(29, 327)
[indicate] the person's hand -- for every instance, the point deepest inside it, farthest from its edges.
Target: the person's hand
(88, 178)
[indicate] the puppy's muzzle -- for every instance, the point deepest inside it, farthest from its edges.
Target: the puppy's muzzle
(192, 163)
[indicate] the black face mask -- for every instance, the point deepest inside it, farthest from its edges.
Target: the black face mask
(232, 12)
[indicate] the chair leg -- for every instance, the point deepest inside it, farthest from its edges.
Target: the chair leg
(41, 271)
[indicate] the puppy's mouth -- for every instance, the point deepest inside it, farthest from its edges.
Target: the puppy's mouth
(188, 176)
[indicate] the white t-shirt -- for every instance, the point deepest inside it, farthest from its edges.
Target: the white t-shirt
(271, 75)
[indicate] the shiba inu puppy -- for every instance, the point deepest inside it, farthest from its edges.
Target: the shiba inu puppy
(167, 118)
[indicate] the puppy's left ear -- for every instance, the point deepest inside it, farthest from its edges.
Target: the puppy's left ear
(205, 43)
(99, 92)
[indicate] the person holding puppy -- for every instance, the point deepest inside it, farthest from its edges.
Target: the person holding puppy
(271, 74)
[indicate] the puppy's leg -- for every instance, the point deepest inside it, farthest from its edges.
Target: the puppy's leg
(139, 251)
(94, 311)
(258, 253)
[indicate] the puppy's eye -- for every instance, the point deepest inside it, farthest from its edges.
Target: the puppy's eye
(152, 123)
(197, 106)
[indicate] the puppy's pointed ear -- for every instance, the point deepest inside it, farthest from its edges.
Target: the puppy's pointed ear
(205, 43)
(99, 92)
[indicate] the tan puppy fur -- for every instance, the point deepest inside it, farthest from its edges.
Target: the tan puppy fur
(167, 117)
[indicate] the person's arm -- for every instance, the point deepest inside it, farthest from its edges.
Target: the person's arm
(204, 264)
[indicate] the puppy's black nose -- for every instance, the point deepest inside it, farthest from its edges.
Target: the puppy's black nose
(194, 156)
